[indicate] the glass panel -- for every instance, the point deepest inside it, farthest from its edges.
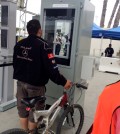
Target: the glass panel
(0, 27)
(3, 38)
(0, 15)
(58, 31)
(61, 38)
(0, 39)
(4, 15)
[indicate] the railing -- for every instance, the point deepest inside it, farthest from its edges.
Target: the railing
(5, 76)
(6, 64)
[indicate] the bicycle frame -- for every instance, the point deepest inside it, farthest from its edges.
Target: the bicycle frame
(48, 115)
(56, 107)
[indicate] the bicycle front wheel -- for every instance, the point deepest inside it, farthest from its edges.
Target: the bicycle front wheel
(71, 121)
(15, 131)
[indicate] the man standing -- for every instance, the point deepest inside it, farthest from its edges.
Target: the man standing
(109, 51)
(34, 65)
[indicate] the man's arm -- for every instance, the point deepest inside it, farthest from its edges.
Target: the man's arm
(106, 52)
(112, 51)
(52, 68)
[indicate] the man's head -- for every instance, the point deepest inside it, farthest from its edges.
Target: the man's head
(110, 45)
(34, 27)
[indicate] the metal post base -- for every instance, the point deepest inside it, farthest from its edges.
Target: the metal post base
(8, 105)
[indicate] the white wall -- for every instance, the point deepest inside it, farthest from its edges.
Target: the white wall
(96, 44)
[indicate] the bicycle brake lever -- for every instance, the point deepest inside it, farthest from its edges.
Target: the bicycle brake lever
(81, 86)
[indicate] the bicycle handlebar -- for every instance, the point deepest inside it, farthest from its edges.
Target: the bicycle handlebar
(78, 85)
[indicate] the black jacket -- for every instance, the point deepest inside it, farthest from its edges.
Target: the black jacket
(109, 52)
(34, 63)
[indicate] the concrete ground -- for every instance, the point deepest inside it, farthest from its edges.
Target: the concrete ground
(9, 119)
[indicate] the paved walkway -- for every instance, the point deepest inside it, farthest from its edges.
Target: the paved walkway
(9, 119)
(96, 86)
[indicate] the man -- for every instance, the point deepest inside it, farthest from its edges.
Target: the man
(34, 65)
(109, 51)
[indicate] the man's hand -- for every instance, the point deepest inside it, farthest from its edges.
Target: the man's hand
(68, 84)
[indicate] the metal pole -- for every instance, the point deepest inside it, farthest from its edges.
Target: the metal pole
(25, 18)
(25, 25)
(101, 46)
(19, 26)
(23, 10)
(110, 41)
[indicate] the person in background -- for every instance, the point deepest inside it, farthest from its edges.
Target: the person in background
(102, 54)
(109, 51)
(66, 45)
(34, 64)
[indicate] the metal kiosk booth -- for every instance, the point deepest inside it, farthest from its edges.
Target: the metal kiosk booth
(7, 33)
(67, 26)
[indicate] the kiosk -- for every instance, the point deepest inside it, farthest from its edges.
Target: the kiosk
(8, 33)
(67, 26)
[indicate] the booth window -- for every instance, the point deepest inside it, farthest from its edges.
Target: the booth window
(58, 31)
(4, 15)
(3, 38)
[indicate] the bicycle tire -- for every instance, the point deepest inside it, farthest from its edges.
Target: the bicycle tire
(65, 114)
(15, 131)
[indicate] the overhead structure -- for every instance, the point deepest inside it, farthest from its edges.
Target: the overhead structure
(21, 3)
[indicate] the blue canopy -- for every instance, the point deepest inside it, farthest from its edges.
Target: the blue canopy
(113, 33)
(97, 32)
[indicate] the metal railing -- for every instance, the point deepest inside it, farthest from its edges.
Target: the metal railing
(3, 65)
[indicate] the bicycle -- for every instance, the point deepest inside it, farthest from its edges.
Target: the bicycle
(66, 121)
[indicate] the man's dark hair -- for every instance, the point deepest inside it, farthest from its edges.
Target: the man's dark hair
(110, 45)
(33, 26)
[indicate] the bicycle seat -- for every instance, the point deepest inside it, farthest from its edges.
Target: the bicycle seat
(31, 101)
